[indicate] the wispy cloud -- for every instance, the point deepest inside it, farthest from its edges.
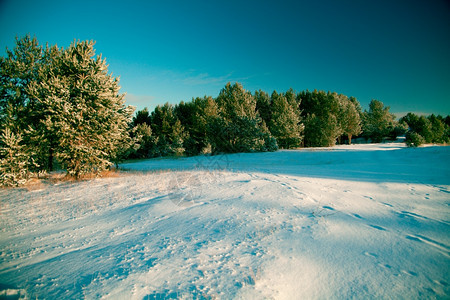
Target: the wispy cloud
(205, 78)
(196, 78)
(140, 101)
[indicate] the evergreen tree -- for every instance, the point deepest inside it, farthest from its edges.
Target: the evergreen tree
(285, 124)
(413, 139)
(168, 132)
(142, 117)
(438, 130)
(377, 122)
(19, 111)
(321, 113)
(263, 105)
(291, 98)
(350, 121)
(238, 127)
(431, 129)
(16, 162)
(82, 115)
(195, 117)
(17, 70)
(321, 131)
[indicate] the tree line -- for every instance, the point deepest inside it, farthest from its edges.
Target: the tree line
(60, 109)
(239, 121)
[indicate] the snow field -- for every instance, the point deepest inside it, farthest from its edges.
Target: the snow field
(365, 221)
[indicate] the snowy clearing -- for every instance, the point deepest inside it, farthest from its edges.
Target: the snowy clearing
(364, 221)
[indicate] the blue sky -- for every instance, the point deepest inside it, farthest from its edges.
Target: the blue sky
(396, 51)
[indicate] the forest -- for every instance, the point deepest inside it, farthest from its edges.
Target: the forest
(60, 109)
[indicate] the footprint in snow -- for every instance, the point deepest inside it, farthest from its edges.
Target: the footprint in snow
(370, 254)
(378, 227)
(444, 249)
(357, 216)
(328, 207)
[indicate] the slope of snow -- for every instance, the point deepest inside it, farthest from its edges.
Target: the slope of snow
(365, 221)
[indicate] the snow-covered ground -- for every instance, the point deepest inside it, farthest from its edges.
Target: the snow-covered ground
(365, 221)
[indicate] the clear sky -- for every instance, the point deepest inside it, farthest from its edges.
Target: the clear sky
(396, 51)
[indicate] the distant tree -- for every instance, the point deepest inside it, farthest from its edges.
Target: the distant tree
(321, 131)
(424, 128)
(142, 117)
(195, 117)
(378, 122)
(321, 113)
(144, 143)
(446, 120)
(438, 130)
(238, 127)
(400, 128)
(291, 98)
(411, 119)
(81, 114)
(234, 101)
(263, 105)
(432, 128)
(168, 131)
(350, 120)
(285, 124)
(413, 139)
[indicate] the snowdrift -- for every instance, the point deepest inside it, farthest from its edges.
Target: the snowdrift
(365, 221)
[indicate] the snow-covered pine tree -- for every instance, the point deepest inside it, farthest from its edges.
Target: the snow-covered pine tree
(81, 111)
(349, 118)
(378, 121)
(238, 127)
(15, 159)
(285, 122)
(17, 70)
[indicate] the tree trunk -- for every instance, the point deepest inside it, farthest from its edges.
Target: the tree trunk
(349, 139)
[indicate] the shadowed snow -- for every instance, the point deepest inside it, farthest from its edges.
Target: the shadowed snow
(364, 221)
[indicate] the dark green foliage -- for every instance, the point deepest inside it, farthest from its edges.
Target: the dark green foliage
(142, 117)
(168, 133)
(144, 142)
(432, 129)
(446, 120)
(438, 130)
(378, 122)
(285, 123)
(263, 105)
(195, 117)
(399, 129)
(321, 113)
(413, 139)
(238, 126)
(321, 131)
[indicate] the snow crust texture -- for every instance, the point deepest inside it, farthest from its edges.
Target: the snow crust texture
(366, 222)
